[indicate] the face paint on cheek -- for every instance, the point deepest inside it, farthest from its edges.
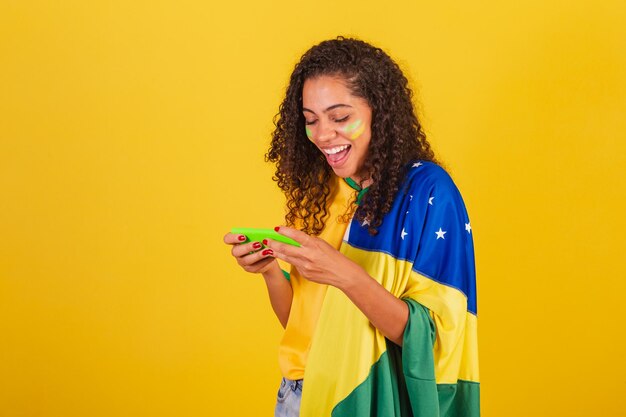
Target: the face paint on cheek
(358, 132)
(309, 134)
(354, 130)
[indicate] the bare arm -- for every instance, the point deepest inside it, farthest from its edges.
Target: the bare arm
(386, 312)
(280, 293)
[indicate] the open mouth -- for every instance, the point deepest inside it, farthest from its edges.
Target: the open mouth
(337, 155)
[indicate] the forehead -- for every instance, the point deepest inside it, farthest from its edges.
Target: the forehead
(321, 92)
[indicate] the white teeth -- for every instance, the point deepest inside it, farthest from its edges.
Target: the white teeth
(335, 150)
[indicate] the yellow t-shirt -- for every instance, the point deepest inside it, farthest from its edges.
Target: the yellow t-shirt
(308, 296)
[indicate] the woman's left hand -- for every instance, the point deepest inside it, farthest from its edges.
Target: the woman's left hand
(316, 260)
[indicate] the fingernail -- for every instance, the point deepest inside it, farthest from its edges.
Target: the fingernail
(267, 252)
(276, 228)
(241, 238)
(256, 245)
(265, 242)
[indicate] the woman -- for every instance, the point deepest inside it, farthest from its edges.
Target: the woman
(379, 305)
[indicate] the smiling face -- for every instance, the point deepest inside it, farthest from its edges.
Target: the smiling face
(339, 124)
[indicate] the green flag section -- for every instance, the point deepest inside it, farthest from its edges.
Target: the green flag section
(402, 382)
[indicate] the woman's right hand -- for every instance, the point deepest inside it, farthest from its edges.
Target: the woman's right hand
(250, 256)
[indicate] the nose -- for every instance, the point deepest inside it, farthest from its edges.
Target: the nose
(325, 132)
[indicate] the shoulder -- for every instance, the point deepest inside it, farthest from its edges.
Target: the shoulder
(426, 177)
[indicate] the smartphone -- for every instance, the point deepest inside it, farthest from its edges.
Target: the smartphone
(257, 235)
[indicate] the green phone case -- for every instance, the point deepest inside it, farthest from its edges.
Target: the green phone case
(257, 235)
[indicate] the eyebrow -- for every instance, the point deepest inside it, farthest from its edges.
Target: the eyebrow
(334, 106)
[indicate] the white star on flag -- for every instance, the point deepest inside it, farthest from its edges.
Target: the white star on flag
(430, 200)
(403, 234)
(468, 228)
(417, 165)
(365, 223)
(440, 234)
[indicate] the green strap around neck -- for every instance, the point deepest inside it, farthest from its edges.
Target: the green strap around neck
(357, 187)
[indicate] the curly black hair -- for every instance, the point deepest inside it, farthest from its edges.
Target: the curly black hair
(397, 136)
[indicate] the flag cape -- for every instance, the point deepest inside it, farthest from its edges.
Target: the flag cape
(423, 254)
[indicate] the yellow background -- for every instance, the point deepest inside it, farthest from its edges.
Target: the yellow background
(132, 136)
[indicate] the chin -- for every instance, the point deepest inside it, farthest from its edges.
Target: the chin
(343, 172)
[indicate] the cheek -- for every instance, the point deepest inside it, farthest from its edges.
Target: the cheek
(358, 132)
(355, 130)
(309, 134)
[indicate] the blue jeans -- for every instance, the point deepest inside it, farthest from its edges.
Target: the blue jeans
(288, 398)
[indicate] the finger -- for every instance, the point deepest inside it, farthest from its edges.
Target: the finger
(258, 266)
(233, 239)
(245, 248)
(283, 248)
(297, 235)
(252, 259)
(287, 258)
